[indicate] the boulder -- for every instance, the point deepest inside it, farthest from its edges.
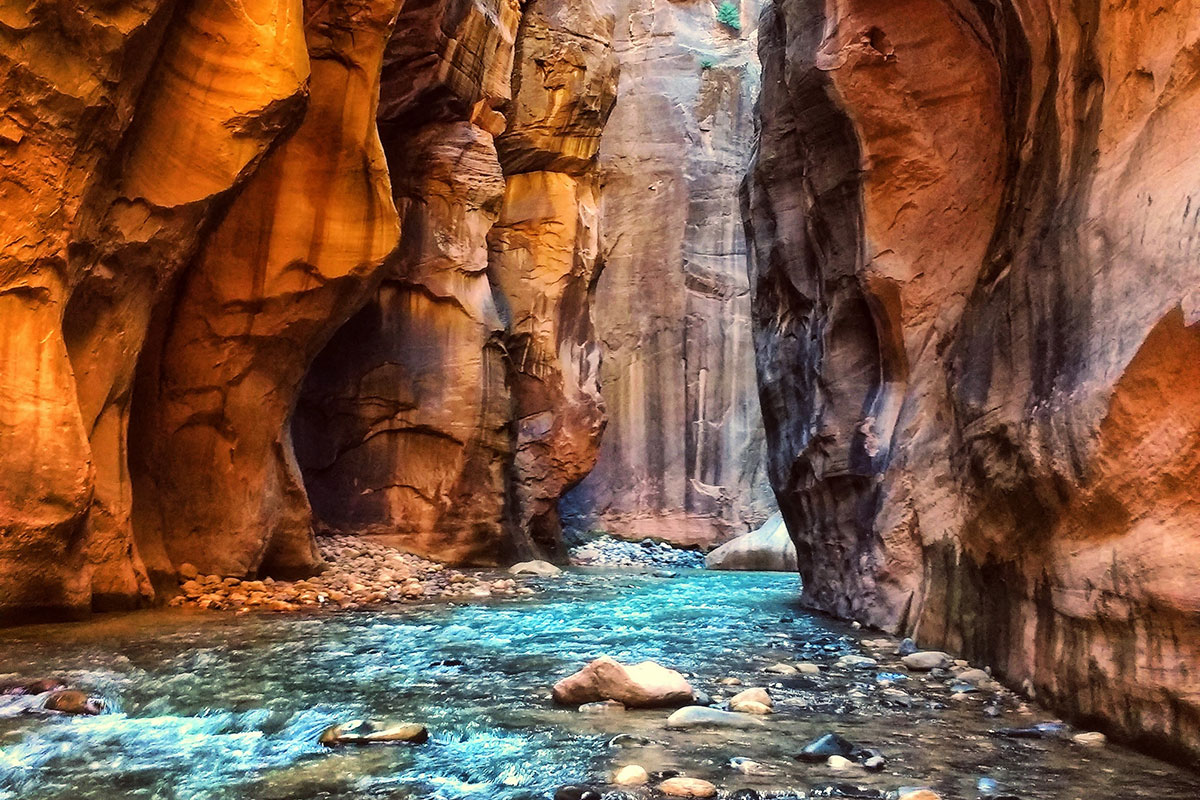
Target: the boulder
(704, 717)
(768, 549)
(644, 685)
(754, 695)
(542, 569)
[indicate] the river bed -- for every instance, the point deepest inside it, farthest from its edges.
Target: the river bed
(212, 706)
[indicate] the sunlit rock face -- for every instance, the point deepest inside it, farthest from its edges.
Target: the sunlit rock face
(683, 457)
(545, 254)
(114, 161)
(403, 426)
(976, 304)
(299, 249)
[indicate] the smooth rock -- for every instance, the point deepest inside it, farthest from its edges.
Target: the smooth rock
(974, 677)
(577, 792)
(705, 717)
(644, 685)
(821, 748)
(840, 763)
(857, 662)
(806, 668)
(70, 701)
(541, 568)
(361, 732)
(767, 549)
(1090, 739)
(751, 707)
(631, 775)
(746, 766)
(756, 695)
(925, 660)
(920, 794)
(687, 787)
(781, 669)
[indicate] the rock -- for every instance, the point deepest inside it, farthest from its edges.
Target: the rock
(746, 766)
(830, 744)
(920, 794)
(856, 662)
(1014, 424)
(700, 698)
(755, 695)
(974, 677)
(1042, 730)
(188, 571)
(602, 707)
(1091, 739)
(644, 685)
(704, 717)
(906, 647)
(687, 787)
(362, 732)
(750, 707)
(629, 740)
(39, 686)
(782, 669)
(731, 681)
(840, 763)
(577, 792)
(631, 775)
(925, 660)
(541, 568)
(70, 701)
(768, 549)
(808, 669)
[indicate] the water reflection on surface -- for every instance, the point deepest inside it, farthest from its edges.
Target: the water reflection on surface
(215, 706)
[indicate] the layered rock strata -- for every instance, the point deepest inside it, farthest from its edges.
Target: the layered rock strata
(545, 254)
(403, 429)
(976, 303)
(299, 249)
(123, 132)
(683, 457)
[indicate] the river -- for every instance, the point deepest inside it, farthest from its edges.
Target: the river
(208, 706)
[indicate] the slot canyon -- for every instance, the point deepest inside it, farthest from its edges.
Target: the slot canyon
(599, 399)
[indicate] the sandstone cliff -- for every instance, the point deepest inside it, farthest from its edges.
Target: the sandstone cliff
(976, 310)
(683, 457)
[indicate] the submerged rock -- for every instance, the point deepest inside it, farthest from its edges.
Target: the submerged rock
(644, 685)
(70, 701)
(1042, 730)
(602, 707)
(704, 717)
(356, 732)
(577, 792)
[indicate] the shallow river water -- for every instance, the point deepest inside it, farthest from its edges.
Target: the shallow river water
(208, 705)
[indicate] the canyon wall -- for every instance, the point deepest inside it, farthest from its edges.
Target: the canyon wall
(201, 202)
(683, 457)
(976, 290)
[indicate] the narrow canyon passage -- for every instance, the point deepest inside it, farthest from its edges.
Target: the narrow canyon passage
(225, 708)
(373, 373)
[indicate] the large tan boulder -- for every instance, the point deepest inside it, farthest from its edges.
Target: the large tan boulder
(768, 549)
(644, 685)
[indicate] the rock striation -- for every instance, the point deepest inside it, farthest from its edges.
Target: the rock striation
(683, 456)
(545, 255)
(976, 305)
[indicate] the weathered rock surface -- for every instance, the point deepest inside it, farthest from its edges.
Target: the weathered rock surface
(683, 457)
(769, 549)
(545, 254)
(403, 425)
(976, 314)
(297, 252)
(644, 685)
(114, 163)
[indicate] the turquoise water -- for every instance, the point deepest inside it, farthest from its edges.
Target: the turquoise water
(207, 706)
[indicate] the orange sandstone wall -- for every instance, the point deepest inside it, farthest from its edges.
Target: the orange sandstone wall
(976, 295)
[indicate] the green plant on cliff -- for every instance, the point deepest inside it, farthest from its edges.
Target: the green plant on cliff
(729, 15)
